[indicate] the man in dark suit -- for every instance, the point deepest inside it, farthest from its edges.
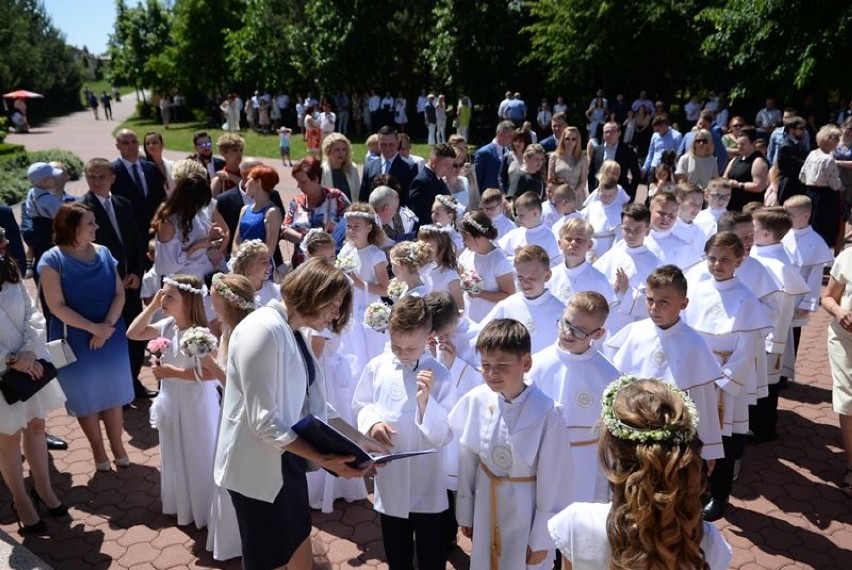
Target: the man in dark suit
(625, 156)
(137, 180)
(489, 159)
(791, 157)
(204, 154)
(390, 162)
(428, 184)
(231, 202)
(557, 124)
(118, 232)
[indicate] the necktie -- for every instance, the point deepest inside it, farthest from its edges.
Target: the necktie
(386, 167)
(137, 177)
(113, 220)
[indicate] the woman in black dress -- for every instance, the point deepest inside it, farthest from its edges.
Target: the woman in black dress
(748, 173)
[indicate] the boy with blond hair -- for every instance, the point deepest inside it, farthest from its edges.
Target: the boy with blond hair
(531, 230)
(492, 202)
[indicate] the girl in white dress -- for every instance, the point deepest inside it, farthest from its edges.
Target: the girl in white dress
(364, 237)
(186, 411)
(445, 274)
(409, 260)
(488, 261)
(339, 371)
(654, 520)
(233, 298)
(445, 213)
(253, 261)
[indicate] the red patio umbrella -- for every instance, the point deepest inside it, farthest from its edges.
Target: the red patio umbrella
(22, 94)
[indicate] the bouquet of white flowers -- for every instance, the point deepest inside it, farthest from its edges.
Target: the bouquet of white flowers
(396, 289)
(377, 316)
(196, 343)
(471, 282)
(346, 263)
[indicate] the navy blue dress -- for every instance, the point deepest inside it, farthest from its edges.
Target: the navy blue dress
(100, 379)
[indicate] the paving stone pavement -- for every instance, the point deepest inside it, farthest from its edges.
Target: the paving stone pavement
(787, 511)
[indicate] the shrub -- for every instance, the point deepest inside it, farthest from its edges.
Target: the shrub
(145, 110)
(68, 158)
(14, 164)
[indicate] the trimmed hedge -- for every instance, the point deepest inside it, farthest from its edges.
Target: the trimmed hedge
(13, 170)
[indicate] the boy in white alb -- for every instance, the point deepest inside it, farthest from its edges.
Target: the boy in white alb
(717, 195)
(576, 274)
(492, 204)
(605, 216)
(531, 230)
(810, 254)
(575, 375)
(663, 241)
(561, 205)
(663, 346)
(734, 323)
(533, 305)
(770, 226)
(402, 400)
(690, 198)
(627, 266)
(514, 459)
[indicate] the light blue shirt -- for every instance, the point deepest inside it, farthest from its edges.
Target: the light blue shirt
(775, 140)
(659, 144)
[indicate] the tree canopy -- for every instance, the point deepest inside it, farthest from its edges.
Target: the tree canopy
(36, 57)
(669, 47)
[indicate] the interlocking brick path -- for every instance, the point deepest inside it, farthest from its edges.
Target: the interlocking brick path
(787, 509)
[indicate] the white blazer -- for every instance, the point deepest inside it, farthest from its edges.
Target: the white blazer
(265, 394)
(352, 177)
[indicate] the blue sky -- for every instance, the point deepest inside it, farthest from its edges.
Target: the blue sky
(84, 22)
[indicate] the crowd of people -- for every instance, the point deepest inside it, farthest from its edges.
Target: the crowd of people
(518, 312)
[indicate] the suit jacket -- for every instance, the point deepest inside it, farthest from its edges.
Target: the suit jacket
(129, 251)
(399, 169)
(424, 188)
(144, 207)
(791, 158)
(230, 203)
(549, 144)
(487, 163)
(13, 235)
(626, 159)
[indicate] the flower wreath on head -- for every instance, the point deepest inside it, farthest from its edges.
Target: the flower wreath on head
(468, 219)
(408, 254)
(437, 228)
(185, 286)
(230, 295)
(451, 204)
(307, 238)
(248, 247)
(670, 433)
(366, 215)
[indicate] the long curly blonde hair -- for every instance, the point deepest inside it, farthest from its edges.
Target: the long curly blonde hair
(655, 522)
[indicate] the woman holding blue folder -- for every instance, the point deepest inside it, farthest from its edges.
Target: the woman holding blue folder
(273, 380)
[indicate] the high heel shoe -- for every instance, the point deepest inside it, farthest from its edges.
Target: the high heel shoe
(59, 510)
(38, 528)
(103, 466)
(122, 461)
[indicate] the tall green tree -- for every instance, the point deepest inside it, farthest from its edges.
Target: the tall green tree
(36, 57)
(781, 46)
(142, 34)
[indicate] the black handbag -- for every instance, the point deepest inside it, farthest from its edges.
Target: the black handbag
(17, 386)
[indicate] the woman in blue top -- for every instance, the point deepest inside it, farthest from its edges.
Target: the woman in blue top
(85, 293)
(262, 220)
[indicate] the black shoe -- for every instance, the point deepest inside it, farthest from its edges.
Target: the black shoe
(38, 528)
(141, 392)
(715, 508)
(761, 437)
(59, 510)
(55, 443)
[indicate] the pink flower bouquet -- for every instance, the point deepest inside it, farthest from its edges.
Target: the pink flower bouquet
(156, 347)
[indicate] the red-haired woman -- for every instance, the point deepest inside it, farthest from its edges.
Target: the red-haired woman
(262, 220)
(315, 207)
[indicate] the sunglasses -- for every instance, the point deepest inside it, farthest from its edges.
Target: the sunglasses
(205, 145)
(700, 141)
(458, 164)
(737, 126)
(576, 332)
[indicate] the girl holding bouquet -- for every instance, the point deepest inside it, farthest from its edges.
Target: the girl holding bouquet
(409, 260)
(487, 277)
(445, 275)
(364, 237)
(186, 411)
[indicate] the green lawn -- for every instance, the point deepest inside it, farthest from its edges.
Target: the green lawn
(179, 137)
